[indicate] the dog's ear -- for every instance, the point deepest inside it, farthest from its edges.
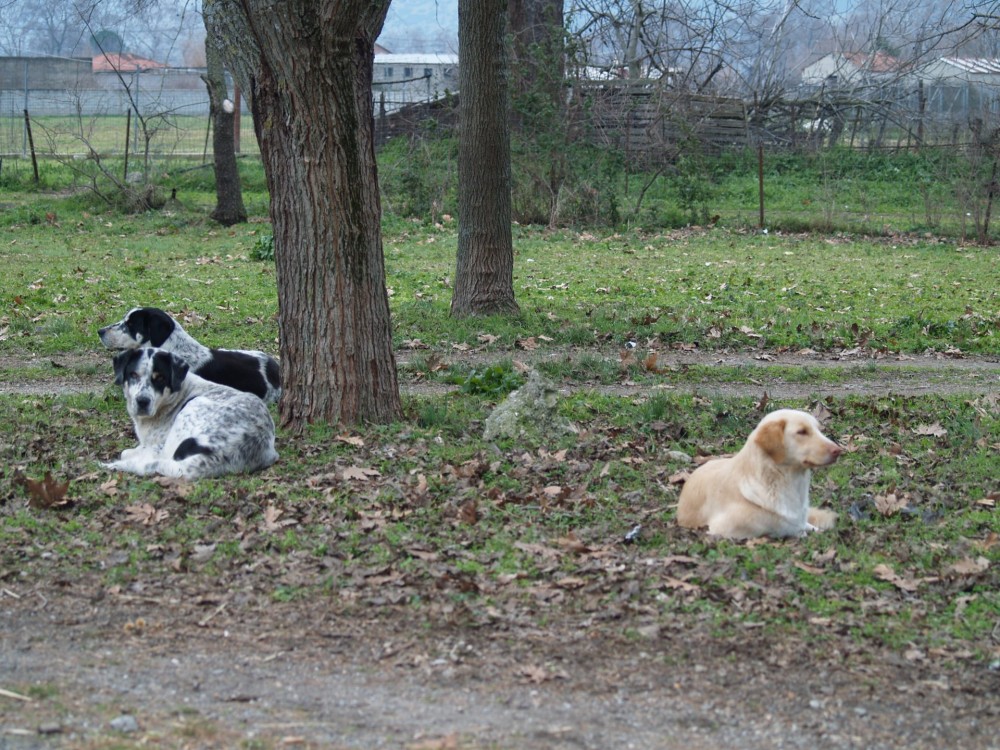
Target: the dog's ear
(178, 371)
(120, 362)
(152, 324)
(770, 438)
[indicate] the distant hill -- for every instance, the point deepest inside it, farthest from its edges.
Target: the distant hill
(421, 26)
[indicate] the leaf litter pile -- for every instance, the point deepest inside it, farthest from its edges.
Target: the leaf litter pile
(535, 561)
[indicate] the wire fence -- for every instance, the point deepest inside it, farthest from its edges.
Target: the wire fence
(74, 113)
(59, 108)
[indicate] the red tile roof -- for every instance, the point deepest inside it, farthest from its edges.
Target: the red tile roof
(125, 63)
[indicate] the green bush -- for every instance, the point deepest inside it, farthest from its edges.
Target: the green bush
(263, 248)
(494, 381)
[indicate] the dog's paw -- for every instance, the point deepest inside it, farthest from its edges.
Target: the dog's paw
(820, 519)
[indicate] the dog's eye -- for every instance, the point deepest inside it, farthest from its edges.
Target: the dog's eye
(157, 377)
(133, 377)
(803, 431)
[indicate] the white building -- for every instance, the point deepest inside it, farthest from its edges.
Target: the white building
(851, 69)
(411, 77)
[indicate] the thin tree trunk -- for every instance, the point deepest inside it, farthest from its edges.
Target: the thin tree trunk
(229, 208)
(308, 68)
(484, 279)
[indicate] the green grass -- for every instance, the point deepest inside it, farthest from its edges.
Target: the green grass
(74, 267)
(170, 134)
(512, 553)
(455, 527)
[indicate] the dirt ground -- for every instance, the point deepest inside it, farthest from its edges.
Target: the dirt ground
(277, 675)
(199, 665)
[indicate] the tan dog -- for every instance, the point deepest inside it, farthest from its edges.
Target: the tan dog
(763, 489)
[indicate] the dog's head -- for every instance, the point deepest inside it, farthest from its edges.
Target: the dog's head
(150, 379)
(141, 327)
(793, 438)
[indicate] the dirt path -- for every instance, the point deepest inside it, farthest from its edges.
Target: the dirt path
(285, 676)
(857, 374)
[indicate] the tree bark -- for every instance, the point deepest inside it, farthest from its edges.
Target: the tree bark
(307, 67)
(229, 208)
(484, 279)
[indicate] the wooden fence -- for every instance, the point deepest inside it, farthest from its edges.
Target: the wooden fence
(652, 124)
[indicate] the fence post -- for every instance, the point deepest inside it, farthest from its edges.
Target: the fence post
(24, 133)
(31, 143)
(760, 180)
(922, 112)
(128, 137)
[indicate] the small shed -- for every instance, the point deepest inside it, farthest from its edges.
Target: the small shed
(961, 87)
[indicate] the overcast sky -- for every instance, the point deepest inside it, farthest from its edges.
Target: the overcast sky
(421, 26)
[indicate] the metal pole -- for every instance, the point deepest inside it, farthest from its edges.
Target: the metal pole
(760, 180)
(24, 130)
(128, 137)
(31, 142)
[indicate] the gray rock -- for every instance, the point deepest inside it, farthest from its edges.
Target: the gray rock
(126, 723)
(530, 411)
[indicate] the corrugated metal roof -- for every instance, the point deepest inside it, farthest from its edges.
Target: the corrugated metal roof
(416, 58)
(974, 64)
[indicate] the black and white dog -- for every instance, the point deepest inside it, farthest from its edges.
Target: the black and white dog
(187, 426)
(250, 371)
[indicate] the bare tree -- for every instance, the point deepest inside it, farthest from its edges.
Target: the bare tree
(229, 208)
(484, 280)
(307, 67)
(66, 28)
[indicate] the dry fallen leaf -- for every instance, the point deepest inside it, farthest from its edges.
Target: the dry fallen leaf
(421, 484)
(676, 583)
(650, 364)
(884, 573)
(678, 477)
(273, 520)
(468, 513)
(969, 567)
(889, 504)
(360, 473)
(988, 543)
(572, 543)
(44, 493)
(809, 568)
(931, 430)
(145, 514)
(351, 440)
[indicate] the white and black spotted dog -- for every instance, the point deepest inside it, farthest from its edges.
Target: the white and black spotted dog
(187, 426)
(251, 371)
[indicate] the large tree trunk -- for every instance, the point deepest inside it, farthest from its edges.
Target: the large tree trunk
(229, 208)
(484, 279)
(308, 69)
(539, 57)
